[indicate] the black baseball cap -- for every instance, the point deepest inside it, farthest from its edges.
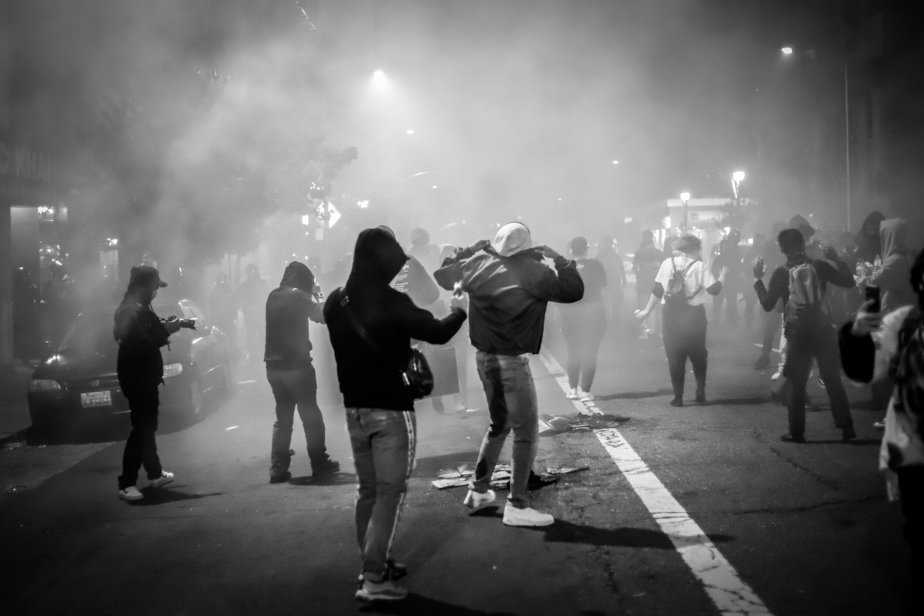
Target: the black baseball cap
(145, 276)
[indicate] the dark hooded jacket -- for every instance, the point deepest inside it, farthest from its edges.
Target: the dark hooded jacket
(869, 245)
(508, 295)
(894, 275)
(371, 374)
(288, 309)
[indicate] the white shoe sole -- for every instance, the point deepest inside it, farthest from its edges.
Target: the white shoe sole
(160, 482)
(528, 524)
(130, 499)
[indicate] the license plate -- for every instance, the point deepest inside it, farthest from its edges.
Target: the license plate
(96, 398)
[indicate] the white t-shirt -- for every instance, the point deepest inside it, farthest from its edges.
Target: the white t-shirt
(697, 279)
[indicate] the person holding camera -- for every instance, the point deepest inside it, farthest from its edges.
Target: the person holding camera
(510, 284)
(878, 344)
(371, 326)
(807, 326)
(140, 366)
(290, 373)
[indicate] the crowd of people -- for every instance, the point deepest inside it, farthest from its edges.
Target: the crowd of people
(395, 300)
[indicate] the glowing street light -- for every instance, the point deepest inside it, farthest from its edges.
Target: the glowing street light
(615, 162)
(409, 132)
(685, 201)
(787, 50)
(379, 79)
(737, 178)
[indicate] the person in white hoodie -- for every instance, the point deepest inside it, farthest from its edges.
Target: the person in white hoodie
(873, 346)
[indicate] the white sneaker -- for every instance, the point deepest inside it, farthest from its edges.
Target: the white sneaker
(586, 396)
(165, 478)
(776, 376)
(130, 494)
(474, 500)
(573, 394)
(527, 516)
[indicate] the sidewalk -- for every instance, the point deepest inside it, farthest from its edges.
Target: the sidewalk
(14, 407)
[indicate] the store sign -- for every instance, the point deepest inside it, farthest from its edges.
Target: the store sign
(20, 162)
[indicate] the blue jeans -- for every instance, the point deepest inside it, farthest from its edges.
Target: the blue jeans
(296, 387)
(511, 393)
(384, 442)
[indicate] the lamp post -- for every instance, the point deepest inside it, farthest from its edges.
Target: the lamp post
(685, 201)
(737, 178)
(788, 52)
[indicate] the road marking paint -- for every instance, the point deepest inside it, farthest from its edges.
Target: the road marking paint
(723, 585)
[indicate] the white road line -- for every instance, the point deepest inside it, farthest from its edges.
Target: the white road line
(729, 593)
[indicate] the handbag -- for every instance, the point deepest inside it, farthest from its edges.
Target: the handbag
(416, 375)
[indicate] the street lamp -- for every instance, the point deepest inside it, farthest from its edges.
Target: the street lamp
(685, 201)
(379, 79)
(737, 178)
(786, 50)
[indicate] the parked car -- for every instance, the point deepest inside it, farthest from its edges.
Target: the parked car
(77, 386)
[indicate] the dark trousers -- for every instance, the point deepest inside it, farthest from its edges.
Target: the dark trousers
(685, 337)
(384, 443)
(818, 343)
(141, 447)
(583, 326)
(911, 489)
(295, 388)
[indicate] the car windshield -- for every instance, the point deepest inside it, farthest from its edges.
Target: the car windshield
(90, 333)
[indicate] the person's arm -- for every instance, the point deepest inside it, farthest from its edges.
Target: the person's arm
(834, 271)
(778, 289)
(449, 274)
(421, 325)
(316, 311)
(564, 285)
(665, 270)
(420, 286)
(711, 283)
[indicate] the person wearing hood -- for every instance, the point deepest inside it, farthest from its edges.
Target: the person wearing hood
(801, 285)
(877, 345)
(509, 283)
(290, 373)
(892, 279)
(371, 326)
(140, 368)
(869, 246)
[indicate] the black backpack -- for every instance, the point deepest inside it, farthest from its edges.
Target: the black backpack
(675, 295)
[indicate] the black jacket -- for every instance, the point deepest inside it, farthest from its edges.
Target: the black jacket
(508, 295)
(140, 334)
(371, 377)
(288, 310)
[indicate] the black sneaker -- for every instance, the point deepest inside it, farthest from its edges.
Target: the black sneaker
(848, 434)
(700, 397)
(280, 477)
(326, 469)
(677, 402)
(791, 438)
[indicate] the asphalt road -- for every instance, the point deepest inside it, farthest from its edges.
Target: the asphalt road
(806, 528)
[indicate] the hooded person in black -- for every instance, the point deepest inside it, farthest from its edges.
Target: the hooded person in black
(371, 326)
(290, 372)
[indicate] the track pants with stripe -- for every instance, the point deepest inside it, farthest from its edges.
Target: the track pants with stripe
(384, 443)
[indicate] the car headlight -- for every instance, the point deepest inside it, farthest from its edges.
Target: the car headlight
(44, 385)
(172, 370)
